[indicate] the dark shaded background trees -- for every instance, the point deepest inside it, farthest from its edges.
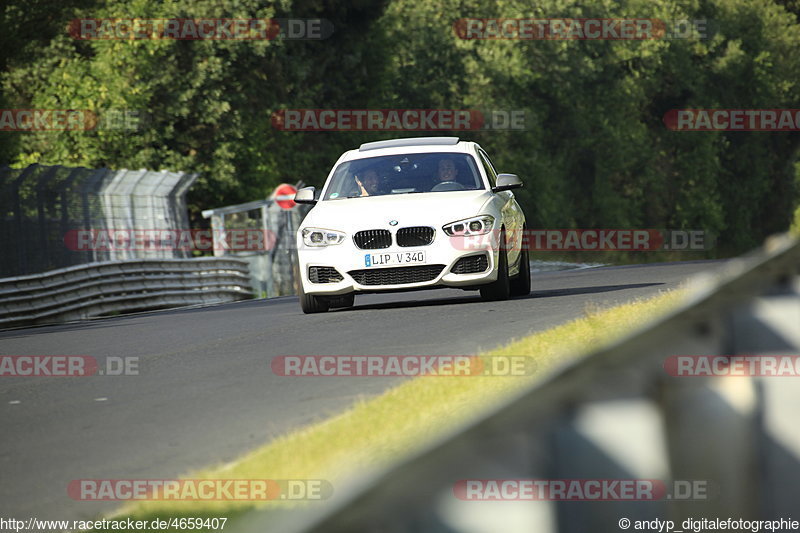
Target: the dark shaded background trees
(595, 152)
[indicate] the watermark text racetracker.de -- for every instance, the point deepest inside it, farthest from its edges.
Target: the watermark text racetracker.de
(584, 240)
(732, 119)
(194, 29)
(58, 120)
(315, 120)
(402, 366)
(67, 366)
(579, 490)
(113, 240)
(199, 489)
(568, 29)
(733, 365)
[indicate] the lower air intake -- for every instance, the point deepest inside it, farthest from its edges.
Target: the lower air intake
(396, 275)
(472, 264)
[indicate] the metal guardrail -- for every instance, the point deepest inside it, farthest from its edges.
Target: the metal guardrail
(616, 414)
(96, 289)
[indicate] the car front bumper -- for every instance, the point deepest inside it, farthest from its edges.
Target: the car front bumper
(437, 271)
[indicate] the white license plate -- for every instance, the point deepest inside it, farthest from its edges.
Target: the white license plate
(394, 259)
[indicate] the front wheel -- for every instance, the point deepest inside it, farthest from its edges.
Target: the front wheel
(521, 285)
(501, 288)
(312, 304)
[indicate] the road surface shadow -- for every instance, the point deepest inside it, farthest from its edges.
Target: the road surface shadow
(475, 298)
(549, 293)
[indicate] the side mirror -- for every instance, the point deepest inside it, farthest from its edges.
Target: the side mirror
(506, 182)
(305, 196)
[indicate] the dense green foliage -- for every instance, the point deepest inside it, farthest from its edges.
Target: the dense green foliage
(595, 152)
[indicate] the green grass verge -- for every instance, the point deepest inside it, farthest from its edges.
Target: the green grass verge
(382, 429)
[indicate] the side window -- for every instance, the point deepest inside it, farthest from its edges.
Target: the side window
(488, 167)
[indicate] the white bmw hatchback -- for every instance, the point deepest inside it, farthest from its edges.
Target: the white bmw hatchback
(410, 214)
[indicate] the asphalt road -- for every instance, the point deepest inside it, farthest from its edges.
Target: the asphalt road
(205, 392)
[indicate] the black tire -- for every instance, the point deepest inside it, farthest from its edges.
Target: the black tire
(521, 284)
(312, 304)
(500, 289)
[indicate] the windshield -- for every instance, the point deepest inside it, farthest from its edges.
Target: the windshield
(402, 174)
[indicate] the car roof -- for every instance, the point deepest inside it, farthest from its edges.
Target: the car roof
(409, 146)
(413, 141)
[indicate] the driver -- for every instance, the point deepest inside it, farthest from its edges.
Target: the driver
(368, 183)
(447, 171)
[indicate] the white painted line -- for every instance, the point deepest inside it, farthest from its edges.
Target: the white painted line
(14, 402)
(103, 399)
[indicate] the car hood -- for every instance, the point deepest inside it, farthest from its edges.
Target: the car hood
(432, 209)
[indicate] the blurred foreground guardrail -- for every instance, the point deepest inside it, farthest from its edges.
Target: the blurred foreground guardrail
(618, 414)
(107, 287)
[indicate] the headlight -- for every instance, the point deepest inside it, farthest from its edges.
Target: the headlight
(321, 237)
(470, 226)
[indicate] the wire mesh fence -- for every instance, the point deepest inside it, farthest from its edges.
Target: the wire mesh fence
(273, 260)
(41, 206)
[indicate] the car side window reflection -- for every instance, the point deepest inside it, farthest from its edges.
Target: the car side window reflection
(488, 167)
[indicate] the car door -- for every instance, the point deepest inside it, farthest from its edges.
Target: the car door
(513, 218)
